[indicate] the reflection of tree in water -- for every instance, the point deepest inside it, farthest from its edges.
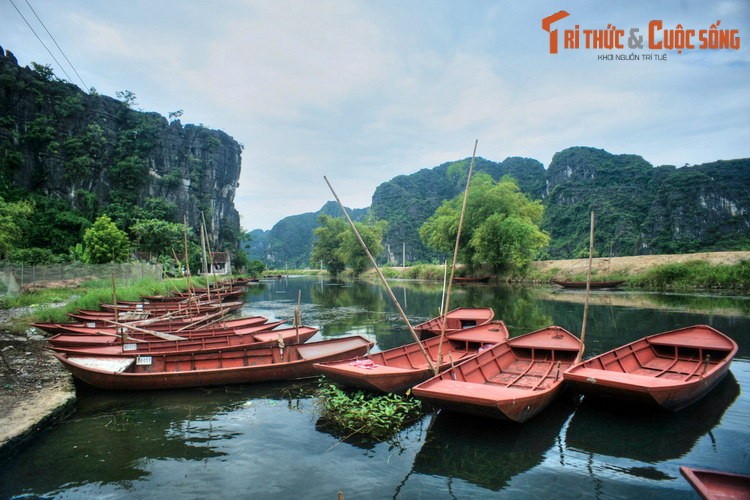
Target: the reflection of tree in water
(644, 434)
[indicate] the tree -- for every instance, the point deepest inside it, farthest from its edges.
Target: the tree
(351, 249)
(11, 217)
(337, 246)
(105, 242)
(327, 244)
(500, 226)
(158, 237)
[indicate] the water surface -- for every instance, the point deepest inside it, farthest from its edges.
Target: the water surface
(267, 441)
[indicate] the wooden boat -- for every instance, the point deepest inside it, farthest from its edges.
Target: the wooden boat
(102, 339)
(670, 369)
(455, 320)
(716, 485)
(166, 307)
(229, 342)
(471, 279)
(399, 369)
(593, 285)
(171, 371)
(176, 325)
(514, 380)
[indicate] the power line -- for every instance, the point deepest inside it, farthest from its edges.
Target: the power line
(43, 44)
(85, 87)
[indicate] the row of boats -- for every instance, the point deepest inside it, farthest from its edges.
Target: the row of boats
(465, 360)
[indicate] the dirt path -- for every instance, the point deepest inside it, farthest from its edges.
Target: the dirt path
(631, 265)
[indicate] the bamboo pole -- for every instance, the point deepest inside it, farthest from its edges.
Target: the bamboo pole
(382, 278)
(588, 291)
(455, 255)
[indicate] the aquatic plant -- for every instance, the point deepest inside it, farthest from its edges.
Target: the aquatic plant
(365, 414)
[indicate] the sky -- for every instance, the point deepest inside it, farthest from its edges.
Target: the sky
(361, 91)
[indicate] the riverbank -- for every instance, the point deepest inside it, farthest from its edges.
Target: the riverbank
(630, 266)
(36, 391)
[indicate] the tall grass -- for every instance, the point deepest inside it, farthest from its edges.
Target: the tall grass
(695, 274)
(53, 305)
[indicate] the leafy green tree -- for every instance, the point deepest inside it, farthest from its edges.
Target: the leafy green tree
(105, 242)
(158, 237)
(11, 217)
(500, 226)
(351, 250)
(327, 244)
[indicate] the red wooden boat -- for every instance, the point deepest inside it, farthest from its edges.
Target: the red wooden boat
(399, 369)
(670, 370)
(166, 307)
(593, 285)
(171, 371)
(102, 339)
(457, 319)
(715, 485)
(514, 380)
(171, 326)
(229, 342)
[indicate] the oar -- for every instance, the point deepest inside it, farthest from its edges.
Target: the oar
(382, 278)
(588, 292)
(161, 335)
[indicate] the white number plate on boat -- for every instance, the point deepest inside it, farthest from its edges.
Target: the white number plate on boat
(143, 360)
(129, 347)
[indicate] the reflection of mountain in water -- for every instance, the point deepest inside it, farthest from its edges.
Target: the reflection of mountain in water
(487, 453)
(644, 434)
(120, 434)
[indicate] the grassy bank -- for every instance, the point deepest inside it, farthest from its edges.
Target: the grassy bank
(52, 305)
(683, 276)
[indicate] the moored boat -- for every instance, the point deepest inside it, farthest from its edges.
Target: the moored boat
(397, 370)
(262, 338)
(717, 485)
(171, 371)
(513, 380)
(132, 336)
(593, 285)
(171, 326)
(670, 370)
(456, 319)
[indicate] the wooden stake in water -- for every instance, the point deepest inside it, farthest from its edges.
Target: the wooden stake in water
(382, 278)
(588, 292)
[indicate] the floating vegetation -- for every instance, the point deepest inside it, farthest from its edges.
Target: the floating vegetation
(373, 416)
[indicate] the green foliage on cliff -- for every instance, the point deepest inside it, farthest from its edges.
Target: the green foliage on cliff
(75, 156)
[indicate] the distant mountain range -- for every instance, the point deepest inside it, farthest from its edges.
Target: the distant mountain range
(640, 209)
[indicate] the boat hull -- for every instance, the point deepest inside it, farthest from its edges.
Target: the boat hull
(670, 370)
(399, 369)
(714, 485)
(512, 381)
(229, 342)
(236, 367)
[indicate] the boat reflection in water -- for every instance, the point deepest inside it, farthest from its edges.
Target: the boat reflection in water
(485, 452)
(645, 434)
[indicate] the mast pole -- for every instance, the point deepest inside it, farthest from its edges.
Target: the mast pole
(382, 278)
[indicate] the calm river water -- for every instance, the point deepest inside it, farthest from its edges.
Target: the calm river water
(265, 441)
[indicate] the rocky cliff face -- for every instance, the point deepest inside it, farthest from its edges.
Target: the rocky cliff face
(100, 155)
